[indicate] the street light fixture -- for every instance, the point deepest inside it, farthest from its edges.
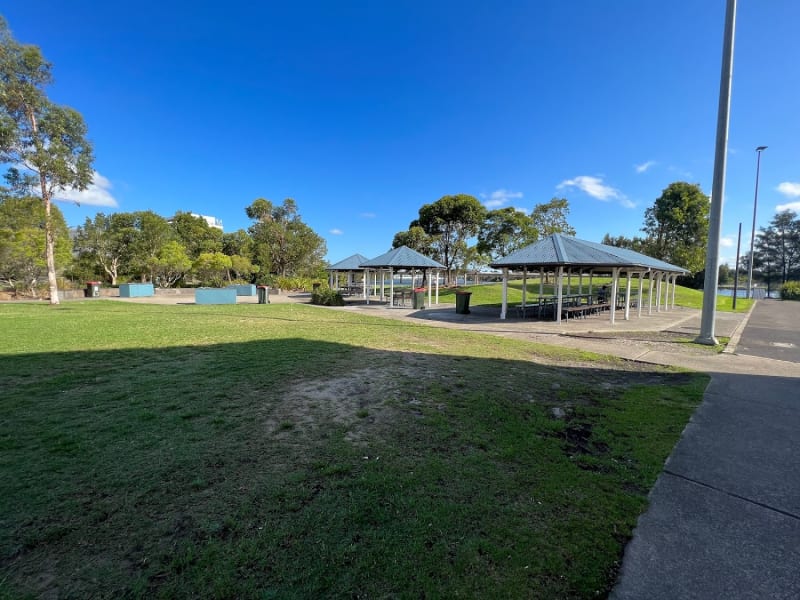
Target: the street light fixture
(759, 150)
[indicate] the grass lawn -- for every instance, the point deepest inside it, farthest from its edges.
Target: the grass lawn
(491, 294)
(291, 451)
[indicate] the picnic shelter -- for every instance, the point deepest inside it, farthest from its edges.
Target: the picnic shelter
(562, 255)
(402, 260)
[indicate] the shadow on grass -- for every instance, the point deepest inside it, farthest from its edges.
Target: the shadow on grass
(299, 468)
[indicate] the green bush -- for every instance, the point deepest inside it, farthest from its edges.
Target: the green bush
(285, 283)
(327, 297)
(790, 290)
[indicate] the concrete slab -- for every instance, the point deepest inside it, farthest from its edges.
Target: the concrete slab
(743, 439)
(767, 334)
(724, 516)
(700, 543)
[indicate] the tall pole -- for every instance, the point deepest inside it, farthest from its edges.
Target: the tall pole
(759, 150)
(736, 270)
(718, 188)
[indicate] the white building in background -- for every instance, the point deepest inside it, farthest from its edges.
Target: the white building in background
(212, 221)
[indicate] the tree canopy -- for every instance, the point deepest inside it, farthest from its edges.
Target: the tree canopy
(503, 231)
(677, 226)
(450, 221)
(196, 234)
(22, 241)
(282, 243)
(551, 217)
(777, 249)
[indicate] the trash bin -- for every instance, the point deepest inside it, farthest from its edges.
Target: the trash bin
(462, 302)
(418, 298)
(315, 287)
(263, 294)
(92, 289)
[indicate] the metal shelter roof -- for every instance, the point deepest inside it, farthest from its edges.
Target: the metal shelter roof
(351, 263)
(402, 258)
(560, 250)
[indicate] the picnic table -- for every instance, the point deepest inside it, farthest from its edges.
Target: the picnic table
(572, 305)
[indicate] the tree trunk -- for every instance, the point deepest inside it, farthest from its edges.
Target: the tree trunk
(50, 244)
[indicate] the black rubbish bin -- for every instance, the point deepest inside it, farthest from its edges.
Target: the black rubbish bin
(315, 287)
(92, 289)
(462, 302)
(418, 298)
(263, 294)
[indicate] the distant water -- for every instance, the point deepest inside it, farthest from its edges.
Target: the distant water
(758, 293)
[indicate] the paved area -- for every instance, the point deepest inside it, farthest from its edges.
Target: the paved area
(724, 516)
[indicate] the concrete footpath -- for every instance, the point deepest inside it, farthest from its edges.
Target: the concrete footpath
(724, 516)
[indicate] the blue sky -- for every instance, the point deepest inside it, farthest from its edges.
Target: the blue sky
(364, 111)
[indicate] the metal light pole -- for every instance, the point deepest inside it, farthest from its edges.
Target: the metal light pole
(736, 270)
(711, 281)
(759, 150)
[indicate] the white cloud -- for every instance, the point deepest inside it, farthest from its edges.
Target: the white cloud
(793, 206)
(97, 194)
(789, 189)
(500, 198)
(727, 242)
(593, 186)
(336, 232)
(642, 168)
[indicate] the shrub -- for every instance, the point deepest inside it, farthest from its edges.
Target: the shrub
(790, 290)
(327, 297)
(284, 283)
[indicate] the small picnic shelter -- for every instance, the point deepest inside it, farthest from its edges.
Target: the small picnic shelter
(355, 282)
(560, 254)
(400, 261)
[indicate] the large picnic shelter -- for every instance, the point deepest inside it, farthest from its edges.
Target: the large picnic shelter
(560, 254)
(354, 275)
(400, 261)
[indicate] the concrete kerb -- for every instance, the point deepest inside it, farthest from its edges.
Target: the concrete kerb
(737, 333)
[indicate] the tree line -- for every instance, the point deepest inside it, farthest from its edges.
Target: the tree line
(445, 228)
(776, 251)
(144, 246)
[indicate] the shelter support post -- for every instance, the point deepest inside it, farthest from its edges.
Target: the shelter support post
(614, 292)
(668, 280)
(391, 288)
(639, 303)
(628, 296)
(658, 291)
(541, 282)
(674, 285)
(504, 306)
(560, 302)
(524, 286)
(650, 294)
